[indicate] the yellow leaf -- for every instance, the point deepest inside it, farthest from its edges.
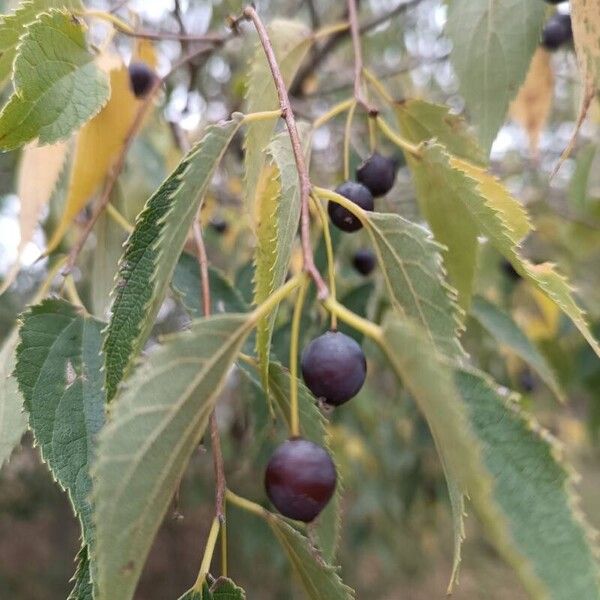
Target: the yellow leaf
(144, 52)
(585, 19)
(98, 146)
(531, 108)
(39, 170)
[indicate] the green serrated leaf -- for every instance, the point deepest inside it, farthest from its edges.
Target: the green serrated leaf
(152, 251)
(497, 215)
(419, 122)
(83, 588)
(13, 421)
(504, 329)
(58, 87)
(550, 544)
(291, 42)
(319, 580)
(153, 430)
(186, 282)
(278, 217)
(493, 43)
(58, 372)
(412, 268)
(12, 26)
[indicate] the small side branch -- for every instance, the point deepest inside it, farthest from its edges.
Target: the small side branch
(290, 121)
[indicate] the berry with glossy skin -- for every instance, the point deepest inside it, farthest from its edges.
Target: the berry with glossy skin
(141, 79)
(378, 174)
(557, 32)
(343, 218)
(364, 261)
(300, 479)
(334, 367)
(219, 225)
(554, 1)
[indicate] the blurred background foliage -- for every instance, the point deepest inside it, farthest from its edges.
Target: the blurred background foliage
(397, 530)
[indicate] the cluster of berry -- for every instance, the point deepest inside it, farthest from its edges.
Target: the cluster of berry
(301, 478)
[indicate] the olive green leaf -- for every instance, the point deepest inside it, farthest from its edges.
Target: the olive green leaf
(153, 429)
(153, 249)
(58, 87)
(12, 27)
(504, 329)
(493, 43)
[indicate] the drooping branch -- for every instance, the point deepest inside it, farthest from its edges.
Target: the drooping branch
(288, 115)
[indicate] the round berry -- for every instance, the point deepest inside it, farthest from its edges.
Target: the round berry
(378, 174)
(300, 479)
(343, 218)
(554, 1)
(141, 79)
(364, 261)
(219, 225)
(334, 367)
(557, 32)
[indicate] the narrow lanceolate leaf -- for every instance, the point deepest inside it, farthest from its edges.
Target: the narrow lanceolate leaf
(429, 380)
(13, 421)
(153, 249)
(35, 192)
(12, 27)
(549, 542)
(319, 580)
(58, 371)
(278, 216)
(506, 331)
(411, 264)
(98, 146)
(493, 42)
(153, 430)
(419, 122)
(223, 296)
(291, 41)
(487, 204)
(57, 85)
(222, 589)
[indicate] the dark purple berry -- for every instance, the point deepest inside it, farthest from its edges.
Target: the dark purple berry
(300, 479)
(557, 32)
(554, 1)
(527, 381)
(378, 174)
(219, 225)
(364, 261)
(343, 218)
(334, 367)
(141, 78)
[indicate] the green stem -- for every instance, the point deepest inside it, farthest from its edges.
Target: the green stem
(347, 139)
(110, 18)
(359, 323)
(118, 218)
(266, 115)
(208, 554)
(378, 86)
(334, 112)
(330, 254)
(330, 30)
(274, 299)
(356, 210)
(246, 504)
(295, 335)
(397, 139)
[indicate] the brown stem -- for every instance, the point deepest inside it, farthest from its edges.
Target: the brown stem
(215, 439)
(358, 59)
(120, 163)
(288, 114)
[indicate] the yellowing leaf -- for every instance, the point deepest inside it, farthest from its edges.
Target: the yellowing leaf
(98, 146)
(144, 51)
(531, 108)
(39, 170)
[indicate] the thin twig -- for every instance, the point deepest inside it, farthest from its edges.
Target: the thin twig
(120, 163)
(288, 114)
(336, 39)
(358, 60)
(215, 438)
